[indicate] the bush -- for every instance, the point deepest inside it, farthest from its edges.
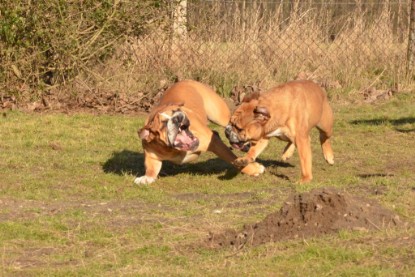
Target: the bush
(45, 43)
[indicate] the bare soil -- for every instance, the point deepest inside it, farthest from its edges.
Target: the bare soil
(318, 212)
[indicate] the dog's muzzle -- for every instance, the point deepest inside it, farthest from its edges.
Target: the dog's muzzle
(234, 140)
(178, 133)
(228, 131)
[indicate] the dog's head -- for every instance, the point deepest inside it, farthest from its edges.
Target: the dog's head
(246, 126)
(170, 126)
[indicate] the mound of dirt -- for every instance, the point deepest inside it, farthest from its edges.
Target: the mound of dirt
(318, 212)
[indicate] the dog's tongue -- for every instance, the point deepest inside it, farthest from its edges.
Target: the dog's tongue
(236, 146)
(183, 138)
(244, 147)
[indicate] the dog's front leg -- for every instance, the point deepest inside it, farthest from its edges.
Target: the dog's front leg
(304, 151)
(153, 167)
(252, 153)
(217, 146)
(288, 151)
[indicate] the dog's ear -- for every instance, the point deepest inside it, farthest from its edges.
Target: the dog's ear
(261, 114)
(252, 96)
(145, 134)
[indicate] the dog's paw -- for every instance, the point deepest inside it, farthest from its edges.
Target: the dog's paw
(305, 179)
(288, 152)
(144, 180)
(329, 159)
(253, 169)
(242, 162)
(286, 156)
(259, 168)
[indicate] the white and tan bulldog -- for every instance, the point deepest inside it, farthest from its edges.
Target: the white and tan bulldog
(177, 129)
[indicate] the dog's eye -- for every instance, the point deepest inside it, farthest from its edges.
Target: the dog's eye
(233, 125)
(237, 128)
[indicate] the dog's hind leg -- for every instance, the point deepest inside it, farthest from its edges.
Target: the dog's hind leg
(325, 127)
(326, 147)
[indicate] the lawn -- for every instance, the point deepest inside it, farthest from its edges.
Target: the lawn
(68, 204)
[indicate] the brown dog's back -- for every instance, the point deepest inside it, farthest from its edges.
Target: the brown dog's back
(204, 100)
(306, 98)
(288, 112)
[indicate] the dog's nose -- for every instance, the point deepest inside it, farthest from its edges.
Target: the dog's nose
(228, 130)
(178, 117)
(230, 135)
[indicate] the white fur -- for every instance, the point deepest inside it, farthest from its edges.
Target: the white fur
(165, 115)
(144, 180)
(262, 169)
(276, 133)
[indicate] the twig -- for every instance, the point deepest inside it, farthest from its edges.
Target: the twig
(377, 227)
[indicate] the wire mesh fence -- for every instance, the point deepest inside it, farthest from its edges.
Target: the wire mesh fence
(139, 47)
(228, 42)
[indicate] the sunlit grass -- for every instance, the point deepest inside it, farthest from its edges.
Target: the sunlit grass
(69, 205)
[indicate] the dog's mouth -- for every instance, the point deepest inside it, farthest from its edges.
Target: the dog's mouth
(234, 140)
(184, 140)
(178, 133)
(242, 145)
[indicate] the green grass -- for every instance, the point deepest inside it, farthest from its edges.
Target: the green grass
(69, 205)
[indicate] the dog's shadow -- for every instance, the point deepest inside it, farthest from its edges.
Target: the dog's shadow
(396, 123)
(130, 162)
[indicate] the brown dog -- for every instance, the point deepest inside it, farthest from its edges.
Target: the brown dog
(177, 129)
(288, 112)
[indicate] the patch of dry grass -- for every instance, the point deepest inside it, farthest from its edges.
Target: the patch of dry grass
(353, 45)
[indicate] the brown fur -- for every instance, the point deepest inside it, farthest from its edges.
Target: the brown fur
(288, 112)
(197, 103)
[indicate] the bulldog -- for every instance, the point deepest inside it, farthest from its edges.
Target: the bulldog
(177, 130)
(288, 112)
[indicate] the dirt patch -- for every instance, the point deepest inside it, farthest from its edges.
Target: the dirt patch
(318, 212)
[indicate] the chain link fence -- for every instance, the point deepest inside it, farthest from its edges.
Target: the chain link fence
(342, 43)
(126, 53)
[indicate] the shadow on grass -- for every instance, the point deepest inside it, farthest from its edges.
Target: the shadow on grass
(394, 122)
(274, 163)
(271, 165)
(374, 175)
(131, 162)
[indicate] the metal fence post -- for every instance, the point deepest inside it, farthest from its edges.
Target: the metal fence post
(411, 41)
(180, 18)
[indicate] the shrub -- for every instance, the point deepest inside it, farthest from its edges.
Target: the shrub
(47, 42)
